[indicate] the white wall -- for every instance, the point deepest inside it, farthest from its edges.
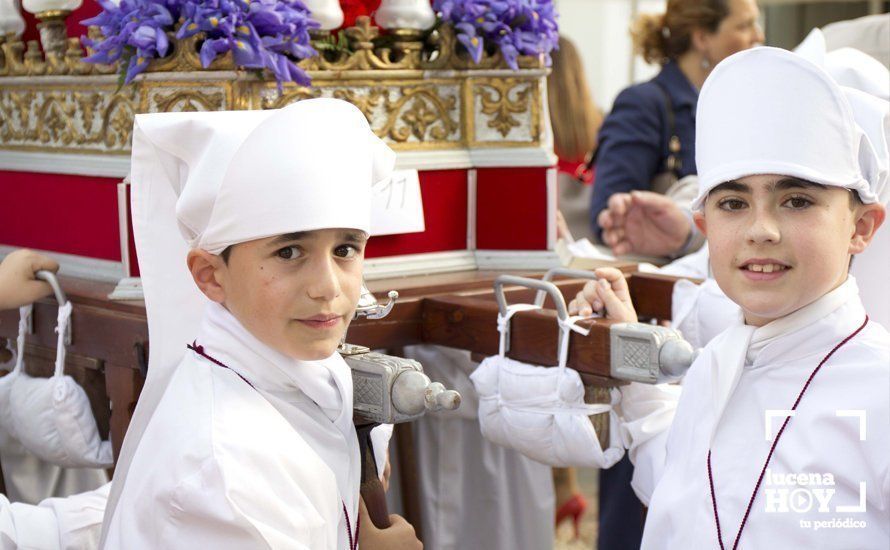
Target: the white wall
(600, 30)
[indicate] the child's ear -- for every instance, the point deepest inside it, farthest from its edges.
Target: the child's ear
(869, 218)
(698, 218)
(206, 269)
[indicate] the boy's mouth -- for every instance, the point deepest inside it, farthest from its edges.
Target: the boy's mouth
(764, 269)
(322, 321)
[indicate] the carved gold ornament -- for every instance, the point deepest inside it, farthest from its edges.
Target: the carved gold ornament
(416, 90)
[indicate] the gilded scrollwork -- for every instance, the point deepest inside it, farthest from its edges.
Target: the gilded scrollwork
(422, 113)
(188, 101)
(411, 109)
(502, 98)
(59, 119)
(272, 100)
(367, 102)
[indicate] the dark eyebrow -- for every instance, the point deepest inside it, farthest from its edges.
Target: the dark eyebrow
(350, 237)
(288, 237)
(731, 185)
(794, 183)
(355, 237)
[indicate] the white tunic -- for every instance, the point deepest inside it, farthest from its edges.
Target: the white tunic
(72, 523)
(836, 448)
(225, 465)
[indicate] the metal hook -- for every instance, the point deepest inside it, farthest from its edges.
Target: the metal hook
(370, 308)
(382, 311)
(50, 278)
(565, 272)
(544, 286)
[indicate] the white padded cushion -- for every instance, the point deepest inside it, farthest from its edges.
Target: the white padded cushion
(52, 418)
(540, 412)
(7, 437)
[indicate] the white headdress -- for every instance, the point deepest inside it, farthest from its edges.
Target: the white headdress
(770, 111)
(212, 180)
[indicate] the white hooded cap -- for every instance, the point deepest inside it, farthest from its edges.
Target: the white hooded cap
(770, 111)
(215, 179)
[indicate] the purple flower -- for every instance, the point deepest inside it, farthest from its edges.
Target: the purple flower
(261, 34)
(515, 27)
(135, 30)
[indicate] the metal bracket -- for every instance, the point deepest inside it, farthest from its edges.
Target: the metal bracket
(543, 286)
(564, 272)
(50, 278)
(370, 308)
(347, 350)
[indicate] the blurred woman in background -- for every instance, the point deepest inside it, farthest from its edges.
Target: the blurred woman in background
(647, 142)
(575, 120)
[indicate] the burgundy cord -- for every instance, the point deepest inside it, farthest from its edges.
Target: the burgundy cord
(772, 448)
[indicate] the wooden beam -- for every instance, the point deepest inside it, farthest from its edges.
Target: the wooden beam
(470, 323)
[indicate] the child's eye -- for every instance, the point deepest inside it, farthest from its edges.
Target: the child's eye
(346, 251)
(731, 204)
(798, 203)
(288, 253)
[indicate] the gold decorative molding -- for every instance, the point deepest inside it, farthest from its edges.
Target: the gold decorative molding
(76, 119)
(418, 92)
(437, 50)
(501, 106)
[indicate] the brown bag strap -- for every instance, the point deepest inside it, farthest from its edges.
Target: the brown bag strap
(674, 162)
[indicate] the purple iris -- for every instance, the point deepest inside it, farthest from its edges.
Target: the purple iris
(134, 30)
(261, 34)
(515, 27)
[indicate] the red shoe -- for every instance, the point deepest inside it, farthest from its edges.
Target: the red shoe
(573, 508)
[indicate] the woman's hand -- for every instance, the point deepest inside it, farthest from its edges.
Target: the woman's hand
(609, 294)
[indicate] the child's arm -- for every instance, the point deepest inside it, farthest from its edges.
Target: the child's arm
(645, 411)
(398, 536)
(609, 292)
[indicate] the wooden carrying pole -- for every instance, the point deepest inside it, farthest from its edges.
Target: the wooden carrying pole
(108, 356)
(468, 320)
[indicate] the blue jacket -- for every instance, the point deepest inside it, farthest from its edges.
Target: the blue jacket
(633, 140)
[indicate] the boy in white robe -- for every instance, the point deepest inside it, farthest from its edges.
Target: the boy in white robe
(244, 439)
(780, 438)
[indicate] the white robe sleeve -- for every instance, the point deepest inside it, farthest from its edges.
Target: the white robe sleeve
(71, 523)
(224, 509)
(646, 413)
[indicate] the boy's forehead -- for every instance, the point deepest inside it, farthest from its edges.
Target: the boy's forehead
(767, 182)
(344, 233)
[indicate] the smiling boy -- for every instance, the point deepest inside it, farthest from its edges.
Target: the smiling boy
(250, 231)
(780, 436)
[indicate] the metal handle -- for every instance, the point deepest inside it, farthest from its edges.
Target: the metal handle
(50, 278)
(565, 272)
(370, 308)
(53, 281)
(543, 286)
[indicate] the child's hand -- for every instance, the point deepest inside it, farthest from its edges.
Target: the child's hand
(609, 292)
(398, 536)
(18, 283)
(387, 473)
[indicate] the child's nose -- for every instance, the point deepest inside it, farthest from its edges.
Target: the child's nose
(325, 282)
(763, 229)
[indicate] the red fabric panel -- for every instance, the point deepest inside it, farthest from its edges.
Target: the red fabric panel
(354, 8)
(88, 9)
(61, 213)
(444, 195)
(511, 209)
(131, 241)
